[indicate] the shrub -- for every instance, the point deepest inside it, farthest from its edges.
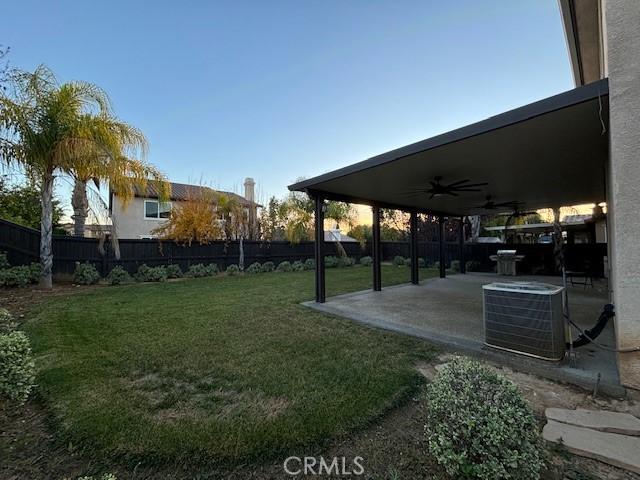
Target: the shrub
(17, 370)
(211, 269)
(35, 272)
(455, 265)
(398, 260)
(310, 264)
(174, 271)
(232, 270)
(85, 274)
(366, 261)
(421, 262)
(199, 270)
(15, 276)
(4, 263)
(151, 274)
(472, 265)
(118, 276)
(297, 266)
(284, 266)
(346, 262)
(6, 321)
(479, 426)
(330, 261)
(255, 267)
(267, 267)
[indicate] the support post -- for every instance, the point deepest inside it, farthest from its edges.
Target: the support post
(463, 260)
(443, 266)
(415, 272)
(377, 253)
(319, 249)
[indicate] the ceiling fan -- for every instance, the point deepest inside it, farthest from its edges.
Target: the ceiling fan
(491, 205)
(437, 189)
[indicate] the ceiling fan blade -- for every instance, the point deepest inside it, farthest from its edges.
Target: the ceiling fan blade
(483, 184)
(431, 196)
(453, 194)
(457, 183)
(466, 190)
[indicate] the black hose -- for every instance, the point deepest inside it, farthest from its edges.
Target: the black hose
(589, 335)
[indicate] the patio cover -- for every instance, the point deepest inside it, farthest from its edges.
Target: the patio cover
(546, 154)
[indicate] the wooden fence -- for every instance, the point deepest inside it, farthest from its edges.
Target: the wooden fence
(22, 247)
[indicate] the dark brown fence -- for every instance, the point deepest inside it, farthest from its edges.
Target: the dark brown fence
(22, 247)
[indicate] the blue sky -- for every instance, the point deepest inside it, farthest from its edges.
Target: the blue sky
(282, 89)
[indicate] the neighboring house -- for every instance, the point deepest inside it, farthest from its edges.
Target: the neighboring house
(145, 212)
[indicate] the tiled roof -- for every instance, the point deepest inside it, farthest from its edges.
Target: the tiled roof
(182, 191)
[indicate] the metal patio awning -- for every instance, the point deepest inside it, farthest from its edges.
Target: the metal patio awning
(546, 154)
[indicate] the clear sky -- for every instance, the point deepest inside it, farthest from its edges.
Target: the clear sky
(283, 89)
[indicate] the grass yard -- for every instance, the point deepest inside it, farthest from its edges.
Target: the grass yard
(224, 369)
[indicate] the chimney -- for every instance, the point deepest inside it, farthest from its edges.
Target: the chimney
(249, 189)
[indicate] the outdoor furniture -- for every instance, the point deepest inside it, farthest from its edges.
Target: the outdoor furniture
(582, 277)
(506, 261)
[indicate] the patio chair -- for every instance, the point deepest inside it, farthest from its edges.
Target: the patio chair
(583, 276)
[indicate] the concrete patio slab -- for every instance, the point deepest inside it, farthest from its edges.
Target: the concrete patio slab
(604, 421)
(612, 448)
(449, 312)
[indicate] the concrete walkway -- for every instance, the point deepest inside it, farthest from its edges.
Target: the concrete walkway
(449, 312)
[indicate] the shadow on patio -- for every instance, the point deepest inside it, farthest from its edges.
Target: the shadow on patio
(448, 311)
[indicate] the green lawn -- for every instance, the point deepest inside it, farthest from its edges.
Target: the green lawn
(223, 369)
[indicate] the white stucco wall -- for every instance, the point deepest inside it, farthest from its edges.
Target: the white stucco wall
(622, 22)
(130, 221)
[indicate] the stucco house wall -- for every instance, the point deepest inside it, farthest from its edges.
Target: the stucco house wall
(130, 221)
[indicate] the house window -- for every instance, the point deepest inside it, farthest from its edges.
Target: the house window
(153, 209)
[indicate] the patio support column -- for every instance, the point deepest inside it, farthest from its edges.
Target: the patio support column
(377, 253)
(443, 266)
(415, 272)
(319, 249)
(463, 260)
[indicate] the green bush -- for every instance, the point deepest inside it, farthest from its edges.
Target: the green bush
(479, 426)
(118, 276)
(255, 267)
(4, 263)
(330, 261)
(455, 265)
(17, 369)
(6, 321)
(151, 274)
(366, 261)
(35, 272)
(199, 270)
(174, 271)
(310, 264)
(267, 267)
(399, 260)
(232, 270)
(85, 274)
(421, 262)
(15, 276)
(284, 266)
(346, 262)
(297, 266)
(472, 265)
(212, 269)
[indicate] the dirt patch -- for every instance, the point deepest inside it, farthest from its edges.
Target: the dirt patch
(173, 399)
(20, 301)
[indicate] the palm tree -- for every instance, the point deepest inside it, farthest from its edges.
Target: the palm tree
(52, 129)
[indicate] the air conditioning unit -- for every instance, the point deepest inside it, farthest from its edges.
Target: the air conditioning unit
(525, 318)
